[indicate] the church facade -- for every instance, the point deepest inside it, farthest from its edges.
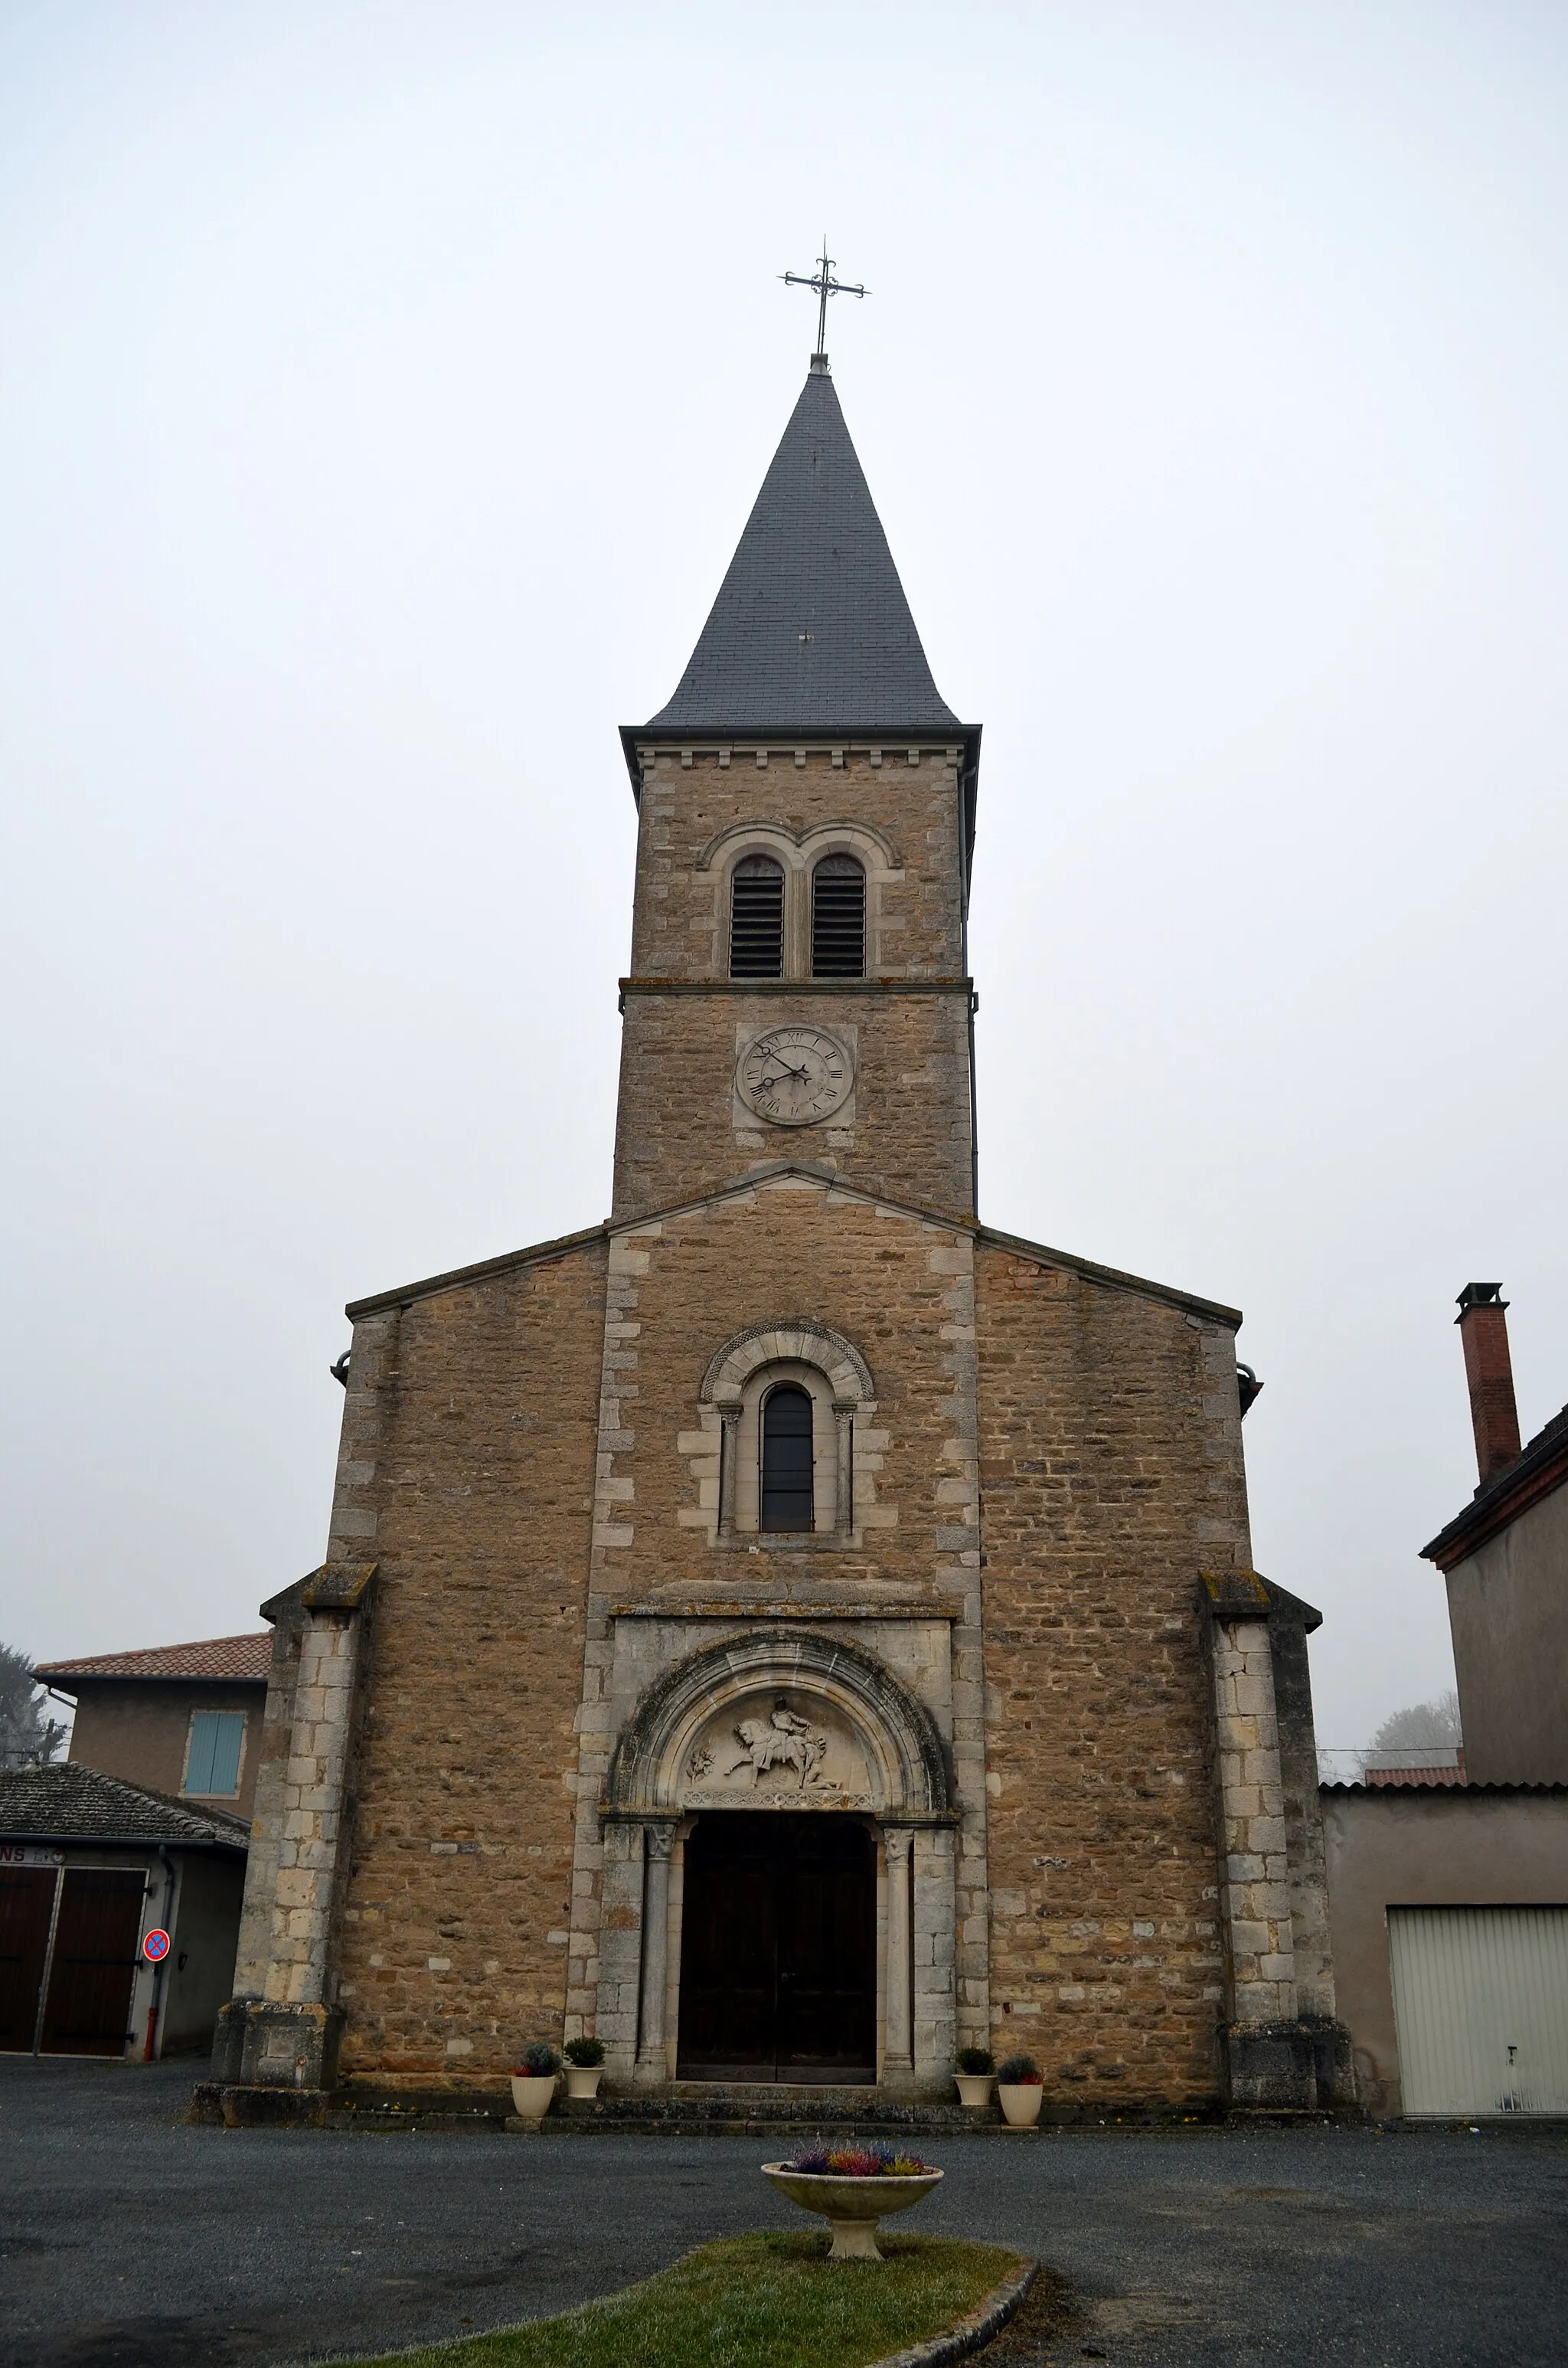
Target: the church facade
(793, 1630)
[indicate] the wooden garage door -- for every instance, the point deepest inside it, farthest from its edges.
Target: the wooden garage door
(26, 1900)
(1481, 2004)
(97, 1944)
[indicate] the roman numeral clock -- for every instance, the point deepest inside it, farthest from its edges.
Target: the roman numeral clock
(795, 1076)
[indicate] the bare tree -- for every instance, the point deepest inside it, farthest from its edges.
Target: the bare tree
(1425, 1726)
(28, 1738)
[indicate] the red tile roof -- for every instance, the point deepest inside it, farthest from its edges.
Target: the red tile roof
(230, 1658)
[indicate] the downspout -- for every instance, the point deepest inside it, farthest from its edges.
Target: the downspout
(965, 777)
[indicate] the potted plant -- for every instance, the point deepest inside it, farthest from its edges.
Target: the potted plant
(533, 2081)
(1020, 2092)
(853, 2187)
(976, 2065)
(584, 2060)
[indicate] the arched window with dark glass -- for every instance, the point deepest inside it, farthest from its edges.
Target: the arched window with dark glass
(757, 918)
(787, 1458)
(838, 918)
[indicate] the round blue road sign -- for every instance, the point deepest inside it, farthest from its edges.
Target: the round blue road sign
(156, 1946)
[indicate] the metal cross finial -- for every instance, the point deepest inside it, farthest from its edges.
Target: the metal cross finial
(824, 285)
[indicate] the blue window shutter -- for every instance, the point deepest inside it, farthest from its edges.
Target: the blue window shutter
(214, 1763)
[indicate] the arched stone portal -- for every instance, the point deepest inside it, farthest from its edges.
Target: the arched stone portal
(800, 1726)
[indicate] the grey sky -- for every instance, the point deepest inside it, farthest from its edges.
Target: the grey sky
(384, 390)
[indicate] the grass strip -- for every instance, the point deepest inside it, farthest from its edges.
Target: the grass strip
(766, 2301)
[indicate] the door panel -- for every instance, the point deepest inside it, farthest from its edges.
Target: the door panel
(96, 1945)
(779, 1950)
(27, 1898)
(1481, 2005)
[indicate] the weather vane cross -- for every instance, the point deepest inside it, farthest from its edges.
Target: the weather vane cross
(824, 285)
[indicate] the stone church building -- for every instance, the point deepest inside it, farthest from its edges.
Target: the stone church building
(792, 1629)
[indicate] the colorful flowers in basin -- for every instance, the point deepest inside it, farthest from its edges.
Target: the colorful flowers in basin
(858, 2162)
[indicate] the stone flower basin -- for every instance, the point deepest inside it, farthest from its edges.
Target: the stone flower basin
(851, 2207)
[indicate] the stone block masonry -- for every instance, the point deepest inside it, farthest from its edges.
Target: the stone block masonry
(908, 1129)
(473, 1486)
(1110, 1467)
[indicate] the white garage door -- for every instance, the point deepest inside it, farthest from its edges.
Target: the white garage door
(1481, 2002)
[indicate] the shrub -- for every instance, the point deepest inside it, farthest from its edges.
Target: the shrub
(538, 2062)
(976, 2059)
(585, 2053)
(1019, 2072)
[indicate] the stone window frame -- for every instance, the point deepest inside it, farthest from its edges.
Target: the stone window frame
(844, 1398)
(800, 855)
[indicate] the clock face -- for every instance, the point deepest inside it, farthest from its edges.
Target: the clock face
(795, 1076)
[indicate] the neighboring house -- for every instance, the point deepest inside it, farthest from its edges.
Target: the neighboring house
(88, 1865)
(1504, 1559)
(179, 1719)
(1448, 1876)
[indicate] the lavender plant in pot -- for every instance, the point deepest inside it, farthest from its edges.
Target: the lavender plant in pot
(1020, 2092)
(976, 2067)
(585, 2063)
(533, 2081)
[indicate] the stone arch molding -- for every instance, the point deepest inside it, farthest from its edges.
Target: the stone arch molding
(798, 849)
(791, 1341)
(860, 1740)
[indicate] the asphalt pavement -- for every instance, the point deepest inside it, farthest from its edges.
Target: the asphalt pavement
(129, 2236)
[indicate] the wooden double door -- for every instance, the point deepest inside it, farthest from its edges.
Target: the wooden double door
(779, 1949)
(91, 1968)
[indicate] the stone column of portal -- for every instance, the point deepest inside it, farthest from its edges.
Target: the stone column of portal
(844, 1420)
(897, 1841)
(729, 1464)
(1267, 2055)
(653, 2060)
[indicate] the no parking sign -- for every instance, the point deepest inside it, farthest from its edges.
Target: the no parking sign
(155, 1946)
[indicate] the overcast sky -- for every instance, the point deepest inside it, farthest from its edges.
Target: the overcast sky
(384, 391)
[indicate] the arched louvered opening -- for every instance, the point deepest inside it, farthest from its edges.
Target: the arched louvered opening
(787, 1458)
(838, 918)
(757, 918)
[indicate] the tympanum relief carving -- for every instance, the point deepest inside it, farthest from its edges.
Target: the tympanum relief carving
(769, 1751)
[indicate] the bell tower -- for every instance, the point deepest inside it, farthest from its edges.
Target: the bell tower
(799, 988)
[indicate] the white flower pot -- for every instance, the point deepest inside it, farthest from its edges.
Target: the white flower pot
(1020, 2105)
(974, 2088)
(583, 2079)
(531, 2095)
(851, 2207)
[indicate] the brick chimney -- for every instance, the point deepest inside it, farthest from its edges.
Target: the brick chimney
(1483, 1328)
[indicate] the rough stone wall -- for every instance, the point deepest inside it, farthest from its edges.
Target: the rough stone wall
(1313, 1948)
(1110, 1474)
(906, 1133)
(900, 1289)
(908, 1129)
(468, 1477)
(679, 927)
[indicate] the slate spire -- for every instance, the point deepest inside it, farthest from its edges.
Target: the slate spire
(811, 631)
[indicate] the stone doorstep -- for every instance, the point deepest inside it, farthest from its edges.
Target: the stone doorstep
(704, 2113)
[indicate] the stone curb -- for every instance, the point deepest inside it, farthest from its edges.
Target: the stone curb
(985, 2321)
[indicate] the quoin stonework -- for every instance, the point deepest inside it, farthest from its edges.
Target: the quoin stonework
(793, 1630)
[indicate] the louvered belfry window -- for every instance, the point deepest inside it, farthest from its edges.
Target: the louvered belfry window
(838, 918)
(757, 918)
